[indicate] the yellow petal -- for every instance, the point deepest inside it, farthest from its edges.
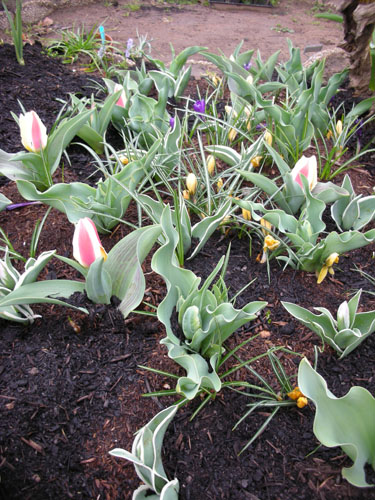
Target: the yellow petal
(266, 225)
(191, 183)
(332, 259)
(246, 214)
(232, 134)
(270, 243)
(219, 184)
(255, 162)
(211, 164)
(268, 137)
(339, 127)
(302, 402)
(322, 274)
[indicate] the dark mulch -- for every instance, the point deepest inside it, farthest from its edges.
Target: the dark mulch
(71, 386)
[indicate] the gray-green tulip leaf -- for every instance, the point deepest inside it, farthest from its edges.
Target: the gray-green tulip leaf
(347, 421)
(146, 457)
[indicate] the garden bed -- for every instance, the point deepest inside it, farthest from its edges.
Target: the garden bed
(71, 384)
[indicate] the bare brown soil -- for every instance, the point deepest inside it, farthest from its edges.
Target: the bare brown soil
(217, 27)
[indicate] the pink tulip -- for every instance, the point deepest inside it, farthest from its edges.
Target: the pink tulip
(308, 168)
(122, 99)
(87, 246)
(33, 132)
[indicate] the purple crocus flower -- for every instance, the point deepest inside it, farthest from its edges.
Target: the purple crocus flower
(171, 121)
(359, 130)
(200, 106)
(129, 46)
(14, 206)
(247, 66)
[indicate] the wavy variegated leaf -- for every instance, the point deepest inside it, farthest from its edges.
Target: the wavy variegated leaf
(146, 457)
(226, 154)
(123, 265)
(347, 421)
(205, 227)
(4, 202)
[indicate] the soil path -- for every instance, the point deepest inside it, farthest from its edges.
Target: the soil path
(219, 28)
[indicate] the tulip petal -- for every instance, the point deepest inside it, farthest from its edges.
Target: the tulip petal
(86, 243)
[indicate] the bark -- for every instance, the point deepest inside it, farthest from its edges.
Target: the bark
(359, 24)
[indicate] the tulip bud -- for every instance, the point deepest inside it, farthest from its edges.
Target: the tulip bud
(211, 164)
(308, 168)
(191, 184)
(191, 321)
(86, 243)
(33, 132)
(122, 99)
(7, 276)
(343, 316)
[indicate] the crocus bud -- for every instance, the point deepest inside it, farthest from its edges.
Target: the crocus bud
(232, 134)
(230, 111)
(33, 132)
(191, 183)
(302, 402)
(248, 111)
(268, 137)
(307, 167)
(250, 79)
(211, 164)
(219, 184)
(122, 99)
(185, 194)
(339, 127)
(295, 394)
(86, 243)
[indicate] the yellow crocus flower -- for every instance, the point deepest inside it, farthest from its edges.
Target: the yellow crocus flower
(255, 162)
(246, 214)
(328, 266)
(270, 243)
